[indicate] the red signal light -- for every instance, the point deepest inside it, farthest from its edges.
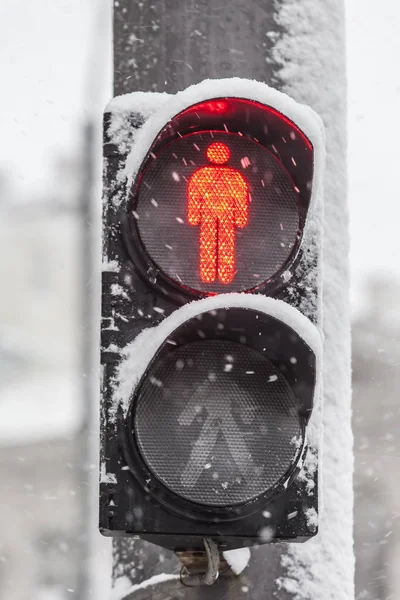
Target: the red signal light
(218, 202)
(217, 107)
(218, 153)
(218, 212)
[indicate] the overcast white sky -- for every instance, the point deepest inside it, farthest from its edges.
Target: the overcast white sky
(45, 49)
(374, 133)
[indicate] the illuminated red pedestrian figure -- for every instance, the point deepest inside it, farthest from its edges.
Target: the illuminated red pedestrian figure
(218, 202)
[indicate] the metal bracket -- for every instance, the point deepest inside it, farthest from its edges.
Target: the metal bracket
(201, 568)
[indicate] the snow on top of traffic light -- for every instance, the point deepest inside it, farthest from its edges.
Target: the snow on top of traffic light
(144, 102)
(137, 355)
(159, 109)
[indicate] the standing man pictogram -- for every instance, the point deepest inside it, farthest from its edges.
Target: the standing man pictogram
(218, 202)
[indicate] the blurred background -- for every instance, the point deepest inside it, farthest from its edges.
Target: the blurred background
(56, 76)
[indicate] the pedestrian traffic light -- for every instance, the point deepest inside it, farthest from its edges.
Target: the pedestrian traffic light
(211, 350)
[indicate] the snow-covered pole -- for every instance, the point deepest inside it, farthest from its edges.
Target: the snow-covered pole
(297, 46)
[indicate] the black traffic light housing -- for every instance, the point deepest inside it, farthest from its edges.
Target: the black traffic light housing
(149, 323)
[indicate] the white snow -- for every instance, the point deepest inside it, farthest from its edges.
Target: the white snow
(314, 70)
(121, 107)
(311, 518)
(111, 266)
(106, 477)
(118, 290)
(237, 559)
(144, 103)
(121, 589)
(137, 355)
(308, 471)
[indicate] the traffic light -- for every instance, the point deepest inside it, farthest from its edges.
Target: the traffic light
(211, 349)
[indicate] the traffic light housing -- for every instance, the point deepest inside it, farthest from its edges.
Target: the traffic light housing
(211, 351)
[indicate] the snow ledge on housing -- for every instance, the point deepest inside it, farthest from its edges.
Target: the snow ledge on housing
(162, 108)
(137, 355)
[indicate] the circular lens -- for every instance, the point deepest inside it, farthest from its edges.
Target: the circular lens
(217, 212)
(216, 422)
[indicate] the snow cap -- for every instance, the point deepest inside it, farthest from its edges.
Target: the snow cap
(137, 355)
(162, 108)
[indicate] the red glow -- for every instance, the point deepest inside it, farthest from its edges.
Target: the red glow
(217, 106)
(217, 201)
(224, 105)
(218, 153)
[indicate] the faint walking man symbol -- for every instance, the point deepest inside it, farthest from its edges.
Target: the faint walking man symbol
(219, 419)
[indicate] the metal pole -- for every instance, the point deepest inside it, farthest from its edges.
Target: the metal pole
(166, 46)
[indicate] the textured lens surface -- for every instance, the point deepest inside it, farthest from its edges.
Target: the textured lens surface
(216, 422)
(217, 212)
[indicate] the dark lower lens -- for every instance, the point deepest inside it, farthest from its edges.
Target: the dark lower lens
(216, 422)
